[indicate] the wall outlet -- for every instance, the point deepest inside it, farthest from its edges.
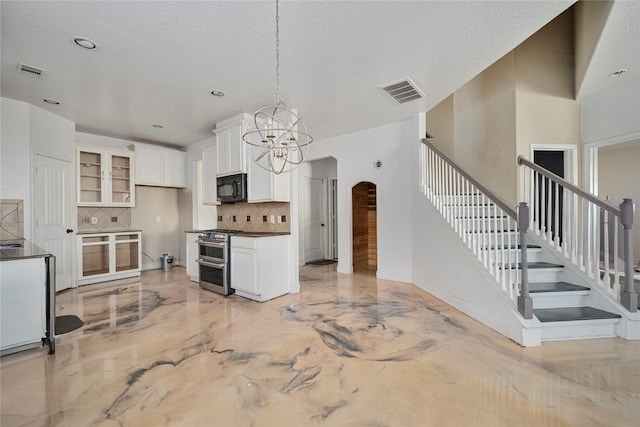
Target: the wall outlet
(94, 220)
(86, 219)
(157, 218)
(114, 219)
(272, 219)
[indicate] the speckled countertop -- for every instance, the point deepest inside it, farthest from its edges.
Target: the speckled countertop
(246, 233)
(79, 233)
(21, 249)
(258, 234)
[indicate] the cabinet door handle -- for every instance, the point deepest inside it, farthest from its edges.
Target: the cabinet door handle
(69, 230)
(109, 175)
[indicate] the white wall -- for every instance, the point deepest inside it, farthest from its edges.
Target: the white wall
(50, 134)
(356, 154)
(16, 165)
(26, 130)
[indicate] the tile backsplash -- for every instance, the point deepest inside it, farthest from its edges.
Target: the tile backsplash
(106, 219)
(11, 219)
(255, 217)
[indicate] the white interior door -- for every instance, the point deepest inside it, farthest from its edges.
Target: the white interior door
(315, 221)
(53, 208)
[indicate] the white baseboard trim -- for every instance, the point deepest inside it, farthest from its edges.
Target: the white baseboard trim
(151, 266)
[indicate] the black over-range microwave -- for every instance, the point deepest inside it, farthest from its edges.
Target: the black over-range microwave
(232, 188)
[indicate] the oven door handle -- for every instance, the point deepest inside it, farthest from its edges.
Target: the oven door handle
(211, 244)
(210, 264)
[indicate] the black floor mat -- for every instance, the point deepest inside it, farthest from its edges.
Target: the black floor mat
(322, 262)
(68, 323)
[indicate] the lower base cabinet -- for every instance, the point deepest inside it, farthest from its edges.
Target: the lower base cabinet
(108, 256)
(22, 304)
(260, 266)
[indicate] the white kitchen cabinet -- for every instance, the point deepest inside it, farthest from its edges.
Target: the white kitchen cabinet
(108, 256)
(209, 167)
(193, 270)
(22, 304)
(260, 266)
(265, 186)
(105, 177)
(159, 166)
(231, 157)
(175, 173)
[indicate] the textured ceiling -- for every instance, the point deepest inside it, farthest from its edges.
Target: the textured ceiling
(157, 62)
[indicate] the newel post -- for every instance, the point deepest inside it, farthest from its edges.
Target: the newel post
(628, 296)
(525, 303)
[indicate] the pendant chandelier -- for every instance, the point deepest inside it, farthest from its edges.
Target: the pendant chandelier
(275, 137)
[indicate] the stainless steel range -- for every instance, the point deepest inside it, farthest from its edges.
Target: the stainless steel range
(213, 260)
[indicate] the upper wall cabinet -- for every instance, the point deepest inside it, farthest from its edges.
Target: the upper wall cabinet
(230, 149)
(105, 177)
(266, 186)
(159, 166)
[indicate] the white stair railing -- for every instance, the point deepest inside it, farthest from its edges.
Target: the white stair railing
(584, 230)
(484, 222)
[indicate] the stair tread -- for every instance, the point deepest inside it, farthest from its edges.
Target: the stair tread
(565, 314)
(484, 217)
(555, 287)
(512, 247)
(538, 265)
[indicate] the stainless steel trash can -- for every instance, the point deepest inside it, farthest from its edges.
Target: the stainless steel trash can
(167, 262)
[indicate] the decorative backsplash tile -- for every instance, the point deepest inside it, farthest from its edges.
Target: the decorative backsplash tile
(11, 219)
(255, 217)
(103, 219)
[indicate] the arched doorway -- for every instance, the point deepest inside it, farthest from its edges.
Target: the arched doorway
(364, 228)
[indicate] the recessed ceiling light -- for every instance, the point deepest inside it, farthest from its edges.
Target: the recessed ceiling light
(51, 101)
(158, 126)
(217, 93)
(85, 43)
(618, 72)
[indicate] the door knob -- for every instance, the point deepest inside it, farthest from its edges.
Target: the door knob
(69, 230)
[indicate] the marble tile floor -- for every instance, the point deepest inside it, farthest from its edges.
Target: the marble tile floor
(357, 352)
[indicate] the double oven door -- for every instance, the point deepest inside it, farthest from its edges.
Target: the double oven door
(213, 263)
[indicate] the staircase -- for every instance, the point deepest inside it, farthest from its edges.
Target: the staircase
(574, 287)
(562, 302)
(563, 306)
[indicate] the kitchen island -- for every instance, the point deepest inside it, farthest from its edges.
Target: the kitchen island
(27, 296)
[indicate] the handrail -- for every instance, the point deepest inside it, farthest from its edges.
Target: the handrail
(559, 180)
(584, 230)
(496, 199)
(485, 224)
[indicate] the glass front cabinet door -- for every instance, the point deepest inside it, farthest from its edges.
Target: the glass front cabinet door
(105, 178)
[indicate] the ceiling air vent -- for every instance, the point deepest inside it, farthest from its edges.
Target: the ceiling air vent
(403, 90)
(31, 71)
